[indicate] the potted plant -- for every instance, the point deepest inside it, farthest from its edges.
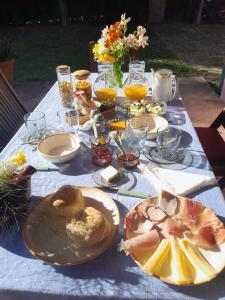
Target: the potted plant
(7, 56)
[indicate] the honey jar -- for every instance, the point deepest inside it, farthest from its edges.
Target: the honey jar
(82, 82)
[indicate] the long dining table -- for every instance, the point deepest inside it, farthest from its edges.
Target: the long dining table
(112, 275)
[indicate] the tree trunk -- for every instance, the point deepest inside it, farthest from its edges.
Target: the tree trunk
(63, 10)
(199, 12)
(156, 11)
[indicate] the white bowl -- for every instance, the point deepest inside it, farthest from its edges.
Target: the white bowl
(59, 147)
(154, 122)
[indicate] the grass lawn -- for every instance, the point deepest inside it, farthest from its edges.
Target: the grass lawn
(188, 50)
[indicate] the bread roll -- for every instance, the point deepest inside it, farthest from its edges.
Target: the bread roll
(90, 229)
(68, 201)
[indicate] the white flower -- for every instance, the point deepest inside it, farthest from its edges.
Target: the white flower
(140, 30)
(105, 31)
(102, 48)
(132, 41)
(143, 41)
(123, 20)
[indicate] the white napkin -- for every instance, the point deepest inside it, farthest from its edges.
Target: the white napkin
(176, 182)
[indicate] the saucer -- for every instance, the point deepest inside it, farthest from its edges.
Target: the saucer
(125, 180)
(153, 155)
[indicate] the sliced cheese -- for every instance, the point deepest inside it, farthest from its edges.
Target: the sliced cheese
(155, 262)
(215, 258)
(182, 270)
(204, 270)
(109, 173)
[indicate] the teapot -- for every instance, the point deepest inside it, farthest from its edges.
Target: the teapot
(163, 86)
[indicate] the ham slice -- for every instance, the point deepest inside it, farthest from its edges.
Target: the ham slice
(206, 218)
(204, 238)
(167, 203)
(143, 207)
(190, 210)
(219, 235)
(155, 213)
(137, 224)
(144, 241)
(172, 227)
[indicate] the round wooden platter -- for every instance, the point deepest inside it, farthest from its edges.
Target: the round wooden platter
(45, 234)
(216, 259)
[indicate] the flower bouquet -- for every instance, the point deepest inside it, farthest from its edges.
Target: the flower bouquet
(14, 197)
(114, 44)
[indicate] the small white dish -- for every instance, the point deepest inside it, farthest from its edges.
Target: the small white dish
(59, 148)
(154, 122)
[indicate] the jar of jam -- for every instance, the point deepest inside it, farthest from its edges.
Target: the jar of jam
(65, 85)
(102, 157)
(130, 160)
(101, 142)
(82, 82)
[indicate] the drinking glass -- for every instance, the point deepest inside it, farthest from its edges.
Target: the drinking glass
(35, 123)
(168, 141)
(68, 119)
(136, 134)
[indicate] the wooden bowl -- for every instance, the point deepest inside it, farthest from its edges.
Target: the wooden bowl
(45, 233)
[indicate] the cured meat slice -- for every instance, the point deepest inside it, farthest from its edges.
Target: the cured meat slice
(137, 223)
(172, 227)
(155, 213)
(219, 235)
(204, 238)
(190, 209)
(167, 202)
(143, 207)
(143, 241)
(206, 218)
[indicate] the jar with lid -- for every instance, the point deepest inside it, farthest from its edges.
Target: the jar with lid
(82, 82)
(136, 85)
(106, 86)
(65, 85)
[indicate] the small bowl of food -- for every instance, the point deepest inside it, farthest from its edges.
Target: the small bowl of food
(116, 124)
(59, 148)
(154, 123)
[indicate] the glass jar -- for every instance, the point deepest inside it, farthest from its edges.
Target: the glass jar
(105, 86)
(102, 157)
(136, 85)
(130, 160)
(65, 85)
(101, 142)
(82, 82)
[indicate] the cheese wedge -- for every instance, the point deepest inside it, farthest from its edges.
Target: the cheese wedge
(198, 261)
(155, 262)
(182, 270)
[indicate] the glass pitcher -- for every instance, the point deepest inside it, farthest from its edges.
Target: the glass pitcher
(164, 85)
(136, 85)
(105, 86)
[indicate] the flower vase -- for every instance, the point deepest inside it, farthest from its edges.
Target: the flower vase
(118, 73)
